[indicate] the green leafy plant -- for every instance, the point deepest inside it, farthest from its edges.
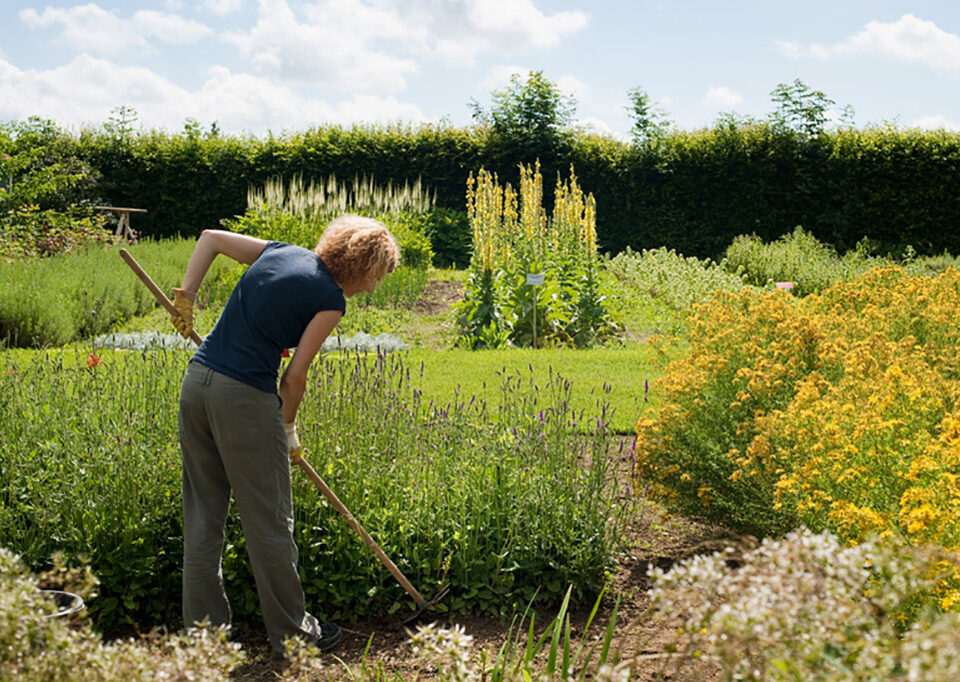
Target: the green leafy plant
(800, 258)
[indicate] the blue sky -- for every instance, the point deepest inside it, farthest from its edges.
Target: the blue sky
(275, 65)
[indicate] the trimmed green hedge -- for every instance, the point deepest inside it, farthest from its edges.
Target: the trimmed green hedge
(691, 191)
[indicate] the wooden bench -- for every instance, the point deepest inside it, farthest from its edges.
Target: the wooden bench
(123, 222)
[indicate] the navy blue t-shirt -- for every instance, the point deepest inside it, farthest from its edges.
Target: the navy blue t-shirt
(278, 295)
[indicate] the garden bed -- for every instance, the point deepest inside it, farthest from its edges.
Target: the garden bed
(652, 536)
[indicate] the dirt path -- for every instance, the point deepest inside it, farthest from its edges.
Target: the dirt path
(437, 297)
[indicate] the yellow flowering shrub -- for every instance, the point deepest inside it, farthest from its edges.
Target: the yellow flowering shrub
(838, 412)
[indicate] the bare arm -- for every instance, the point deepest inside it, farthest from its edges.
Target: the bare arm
(240, 247)
(294, 379)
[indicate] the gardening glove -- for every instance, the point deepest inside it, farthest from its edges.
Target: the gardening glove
(183, 320)
(293, 443)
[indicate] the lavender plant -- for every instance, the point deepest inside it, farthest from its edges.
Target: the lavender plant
(495, 499)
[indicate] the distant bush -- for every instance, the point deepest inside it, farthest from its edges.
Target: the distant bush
(46, 193)
(41, 166)
(52, 301)
(798, 257)
(28, 231)
(931, 266)
(812, 265)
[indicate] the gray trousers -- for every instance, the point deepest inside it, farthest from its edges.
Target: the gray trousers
(232, 438)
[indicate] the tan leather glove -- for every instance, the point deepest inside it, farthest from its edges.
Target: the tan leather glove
(183, 320)
(293, 443)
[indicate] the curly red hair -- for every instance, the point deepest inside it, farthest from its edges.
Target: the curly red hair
(358, 250)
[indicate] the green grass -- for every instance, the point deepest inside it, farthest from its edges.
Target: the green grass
(612, 376)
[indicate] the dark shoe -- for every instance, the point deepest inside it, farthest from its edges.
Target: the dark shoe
(235, 635)
(330, 636)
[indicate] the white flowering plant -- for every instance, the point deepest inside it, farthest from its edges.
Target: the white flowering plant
(806, 607)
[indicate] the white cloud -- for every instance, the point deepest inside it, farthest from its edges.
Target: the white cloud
(373, 45)
(909, 39)
(513, 22)
(935, 123)
(499, 77)
(321, 52)
(573, 86)
(720, 97)
(88, 88)
(222, 7)
(86, 27)
(169, 28)
(92, 29)
(463, 29)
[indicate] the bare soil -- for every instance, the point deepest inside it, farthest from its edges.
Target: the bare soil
(438, 296)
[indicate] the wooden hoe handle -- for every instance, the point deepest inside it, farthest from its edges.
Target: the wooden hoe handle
(155, 290)
(371, 543)
(298, 458)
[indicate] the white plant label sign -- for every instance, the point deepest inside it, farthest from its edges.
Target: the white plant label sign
(535, 280)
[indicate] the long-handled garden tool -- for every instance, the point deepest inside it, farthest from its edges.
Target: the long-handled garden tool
(296, 457)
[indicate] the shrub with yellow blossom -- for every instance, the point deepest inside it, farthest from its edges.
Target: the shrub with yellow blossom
(513, 236)
(838, 411)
